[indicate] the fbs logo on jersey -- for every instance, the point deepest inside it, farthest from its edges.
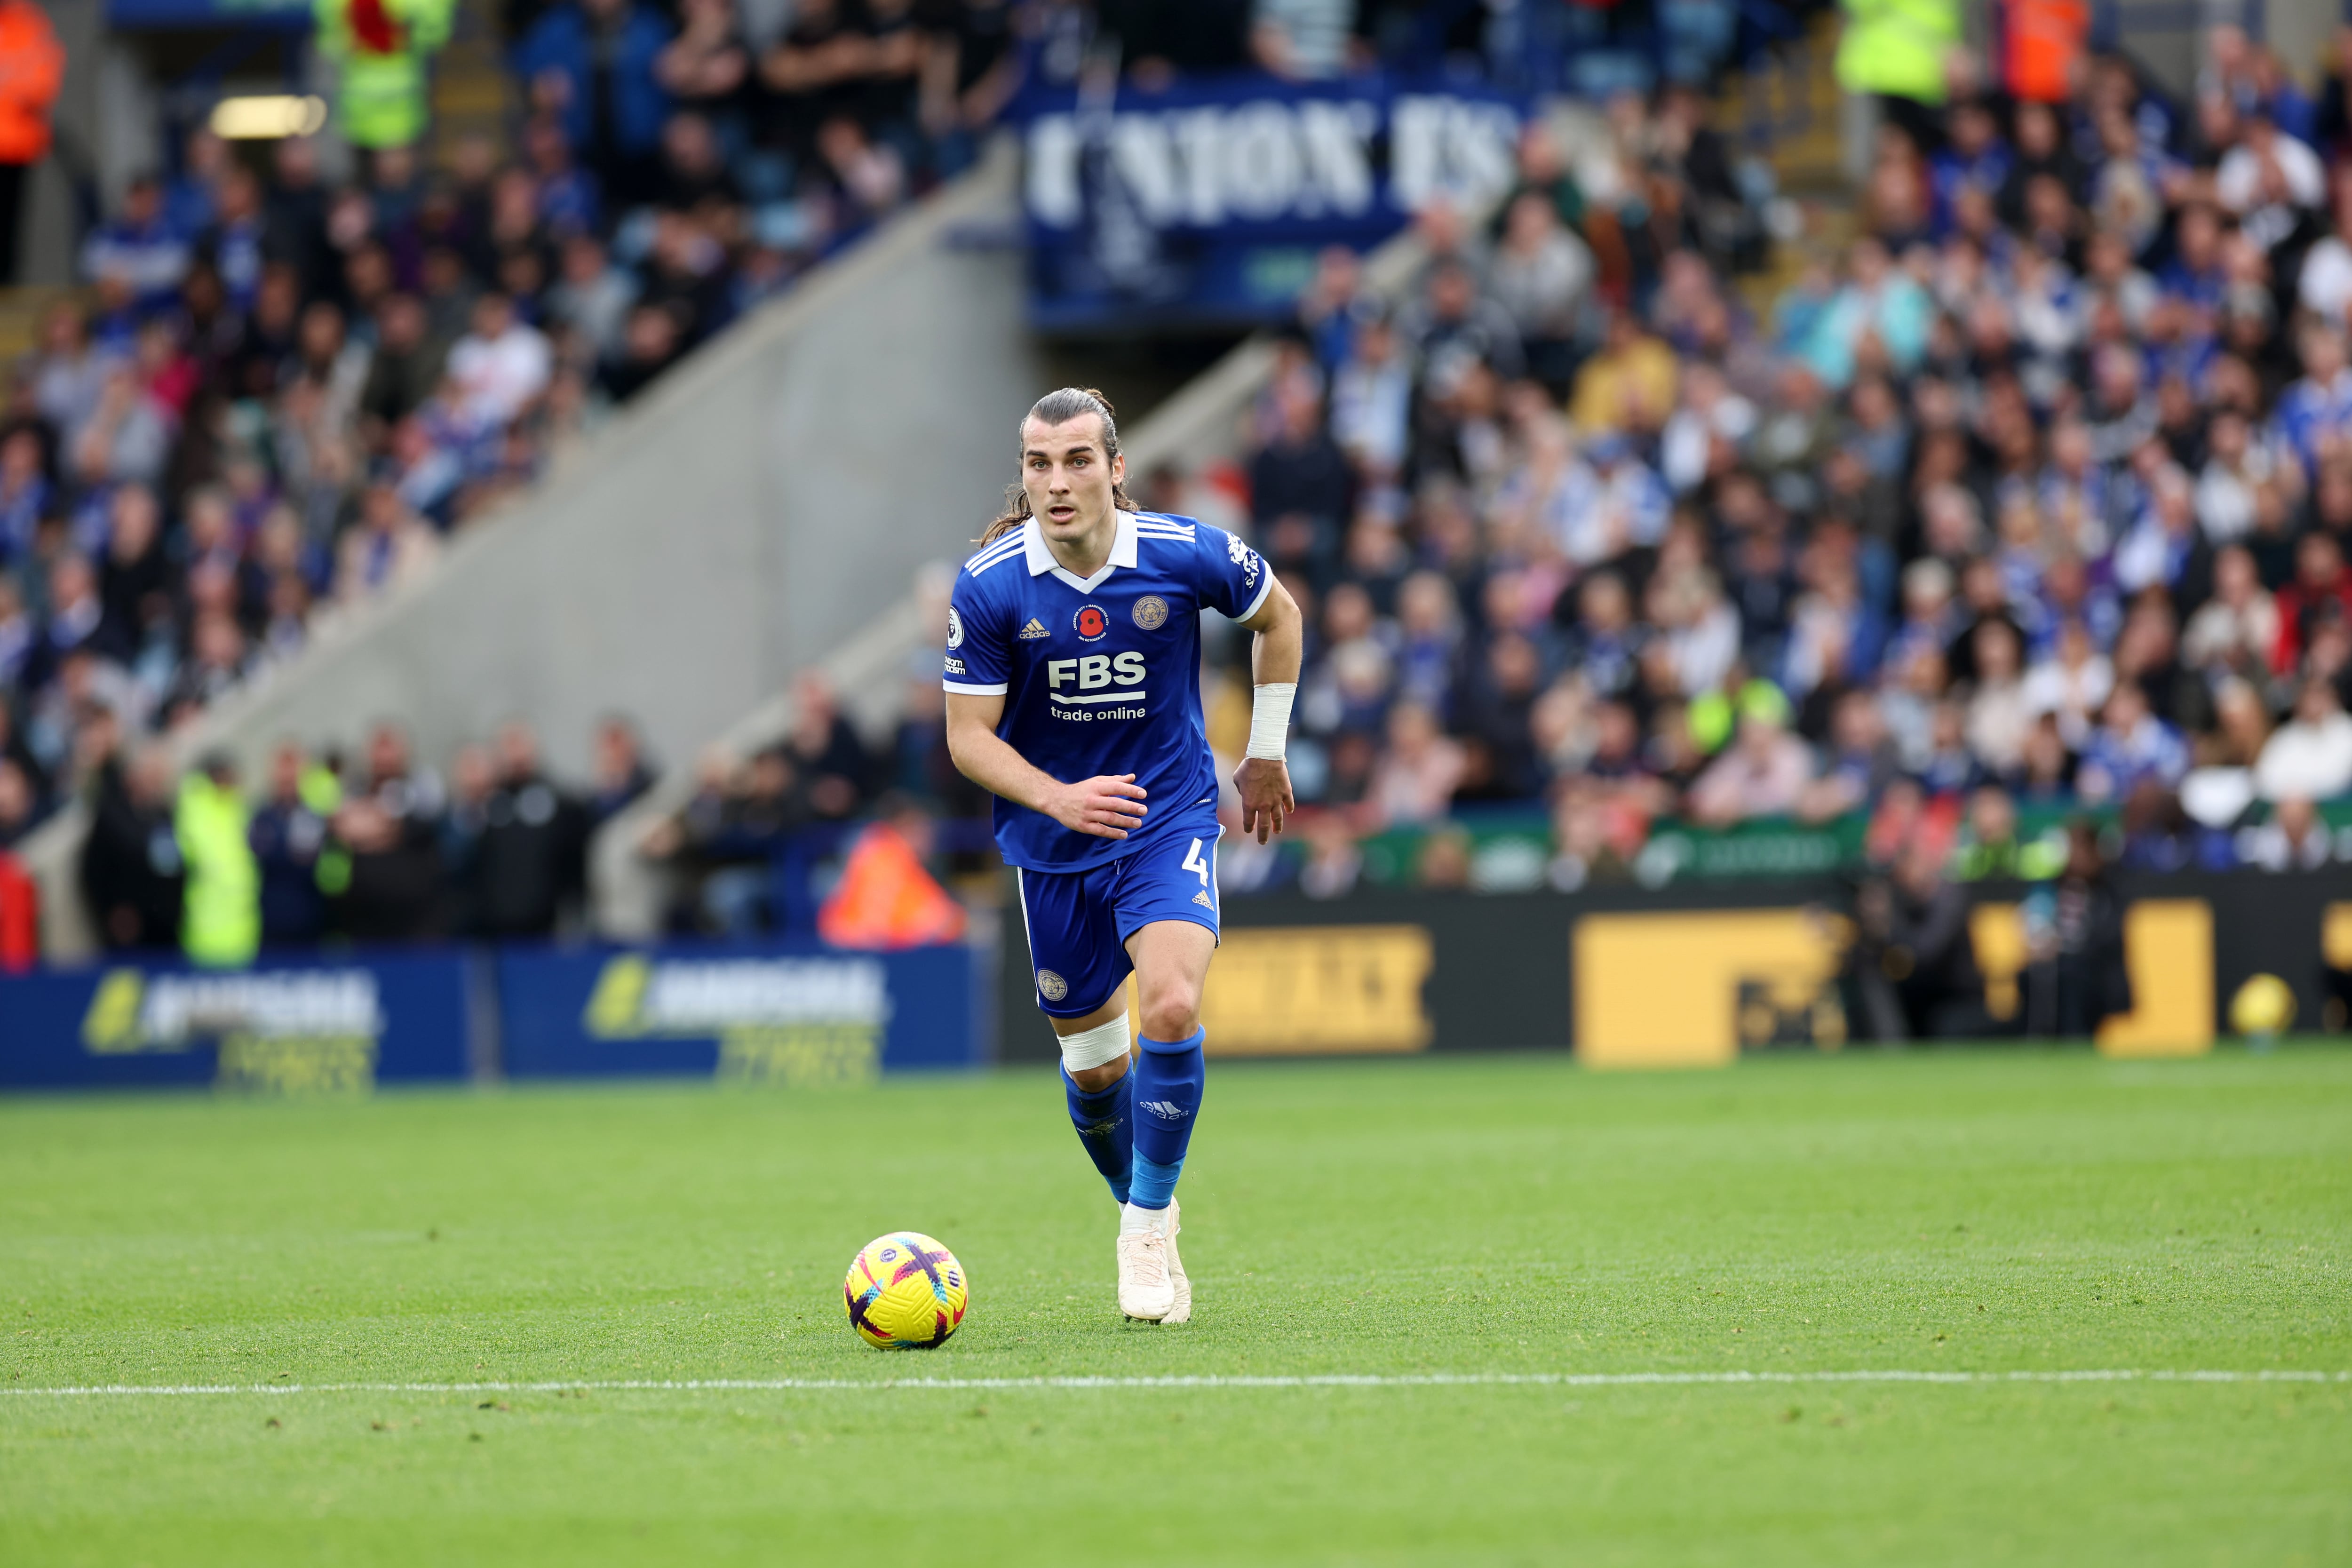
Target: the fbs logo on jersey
(1091, 621)
(1034, 630)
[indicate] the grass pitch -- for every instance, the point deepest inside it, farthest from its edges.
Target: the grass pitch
(1966, 1213)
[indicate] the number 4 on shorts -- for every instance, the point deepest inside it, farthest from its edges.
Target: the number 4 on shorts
(1194, 862)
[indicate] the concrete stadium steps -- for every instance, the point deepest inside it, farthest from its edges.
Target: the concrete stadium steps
(21, 311)
(472, 92)
(1791, 112)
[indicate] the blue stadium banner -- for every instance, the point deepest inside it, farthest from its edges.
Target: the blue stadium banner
(1208, 201)
(296, 1026)
(798, 1013)
(293, 16)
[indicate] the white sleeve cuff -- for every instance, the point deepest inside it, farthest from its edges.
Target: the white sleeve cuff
(1262, 590)
(965, 689)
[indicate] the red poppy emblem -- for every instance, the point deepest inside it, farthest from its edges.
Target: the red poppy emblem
(1092, 623)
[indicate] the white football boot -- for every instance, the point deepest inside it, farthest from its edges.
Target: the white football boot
(1181, 1313)
(1146, 1290)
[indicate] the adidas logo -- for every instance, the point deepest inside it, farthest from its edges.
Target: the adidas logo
(1203, 900)
(1167, 1111)
(1035, 628)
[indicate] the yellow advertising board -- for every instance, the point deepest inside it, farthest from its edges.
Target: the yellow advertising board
(1312, 990)
(1669, 990)
(1689, 989)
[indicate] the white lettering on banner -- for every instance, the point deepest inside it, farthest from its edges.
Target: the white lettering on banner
(1054, 171)
(1447, 147)
(1272, 158)
(180, 1007)
(688, 998)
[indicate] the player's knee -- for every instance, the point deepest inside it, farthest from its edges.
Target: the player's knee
(1170, 1011)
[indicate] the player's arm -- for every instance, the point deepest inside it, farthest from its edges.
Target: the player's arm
(1106, 807)
(1262, 780)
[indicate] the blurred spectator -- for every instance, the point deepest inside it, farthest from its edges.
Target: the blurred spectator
(621, 770)
(528, 860)
(131, 868)
(32, 70)
(591, 63)
(220, 921)
(2310, 756)
(2294, 839)
(1913, 966)
(287, 833)
(379, 49)
(386, 884)
(2075, 975)
(1763, 773)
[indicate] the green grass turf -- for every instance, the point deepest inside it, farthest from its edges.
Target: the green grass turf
(1980, 1211)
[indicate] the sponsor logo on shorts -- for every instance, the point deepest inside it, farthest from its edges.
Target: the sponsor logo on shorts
(1203, 900)
(955, 665)
(1033, 631)
(1052, 986)
(955, 628)
(1092, 624)
(1151, 612)
(1167, 1111)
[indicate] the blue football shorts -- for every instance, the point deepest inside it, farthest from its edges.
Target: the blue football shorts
(1079, 921)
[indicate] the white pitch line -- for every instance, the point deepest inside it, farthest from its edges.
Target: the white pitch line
(1304, 1380)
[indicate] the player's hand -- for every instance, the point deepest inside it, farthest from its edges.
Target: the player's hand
(1109, 806)
(1263, 784)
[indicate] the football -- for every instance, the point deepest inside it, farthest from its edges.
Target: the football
(2264, 1007)
(905, 1293)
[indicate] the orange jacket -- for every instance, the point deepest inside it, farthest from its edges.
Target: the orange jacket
(32, 67)
(2045, 38)
(885, 898)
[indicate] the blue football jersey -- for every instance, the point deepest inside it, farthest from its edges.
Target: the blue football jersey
(1101, 674)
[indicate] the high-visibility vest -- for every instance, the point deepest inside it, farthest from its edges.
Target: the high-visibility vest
(32, 69)
(886, 898)
(220, 910)
(1897, 47)
(379, 47)
(2043, 39)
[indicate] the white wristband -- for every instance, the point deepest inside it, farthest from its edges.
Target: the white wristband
(1270, 719)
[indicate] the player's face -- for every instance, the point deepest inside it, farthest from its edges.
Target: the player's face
(1067, 477)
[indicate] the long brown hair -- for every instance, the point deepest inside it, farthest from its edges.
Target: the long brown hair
(1059, 408)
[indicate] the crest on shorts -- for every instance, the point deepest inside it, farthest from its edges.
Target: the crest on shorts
(1052, 986)
(1091, 621)
(1151, 612)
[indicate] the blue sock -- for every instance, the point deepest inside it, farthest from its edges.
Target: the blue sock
(1106, 1124)
(1168, 1076)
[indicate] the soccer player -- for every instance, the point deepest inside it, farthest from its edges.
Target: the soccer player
(1074, 694)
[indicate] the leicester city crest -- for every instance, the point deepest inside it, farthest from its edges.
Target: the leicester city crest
(1150, 612)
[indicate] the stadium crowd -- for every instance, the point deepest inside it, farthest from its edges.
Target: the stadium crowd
(2042, 495)
(280, 394)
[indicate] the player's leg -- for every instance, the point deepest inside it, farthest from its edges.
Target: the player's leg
(1171, 966)
(1081, 971)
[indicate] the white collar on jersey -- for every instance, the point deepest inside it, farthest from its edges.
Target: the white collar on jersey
(1039, 554)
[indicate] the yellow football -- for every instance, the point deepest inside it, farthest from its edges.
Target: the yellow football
(2263, 1005)
(905, 1293)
